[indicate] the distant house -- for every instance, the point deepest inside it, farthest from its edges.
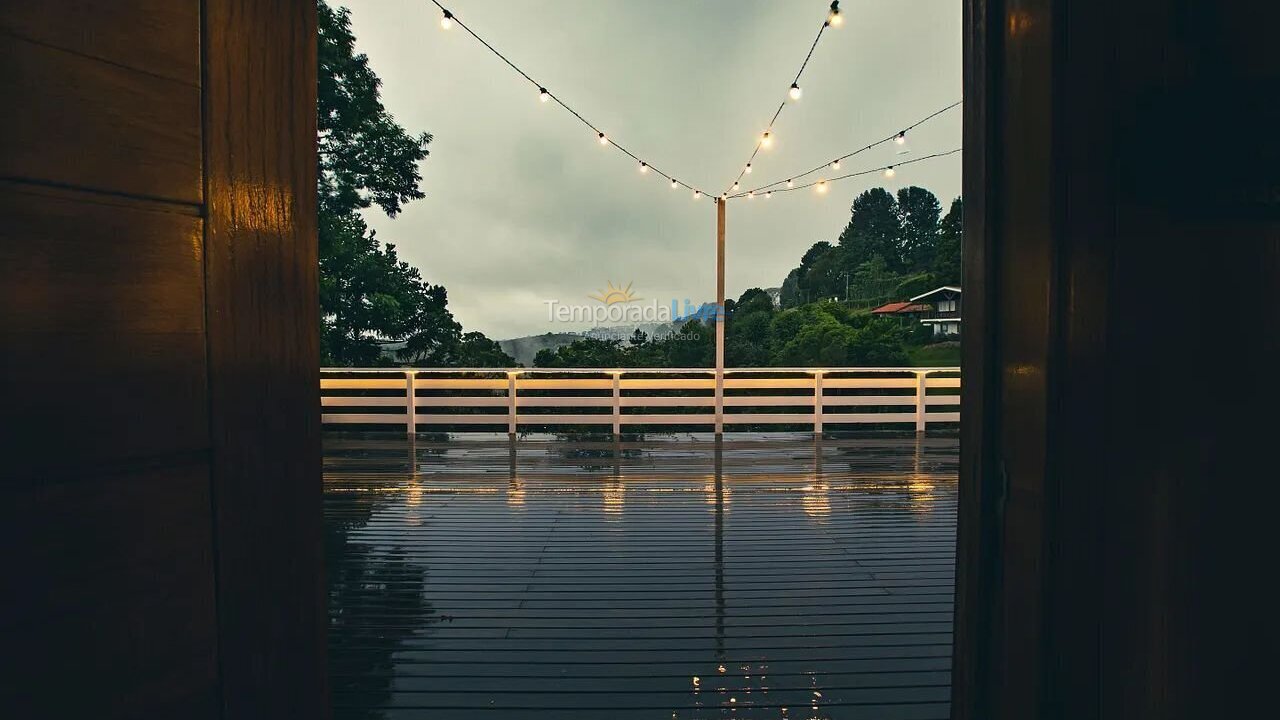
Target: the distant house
(944, 312)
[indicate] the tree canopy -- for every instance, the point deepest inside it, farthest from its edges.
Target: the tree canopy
(369, 297)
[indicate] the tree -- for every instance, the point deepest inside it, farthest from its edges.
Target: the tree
(368, 296)
(918, 211)
(873, 229)
(950, 244)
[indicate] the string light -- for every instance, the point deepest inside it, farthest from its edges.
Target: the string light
(831, 165)
(793, 93)
(735, 187)
(748, 168)
(448, 20)
(644, 168)
(902, 138)
(751, 196)
(768, 195)
(697, 194)
(888, 172)
(836, 19)
(766, 140)
(821, 187)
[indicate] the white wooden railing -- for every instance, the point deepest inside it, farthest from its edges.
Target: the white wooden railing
(522, 399)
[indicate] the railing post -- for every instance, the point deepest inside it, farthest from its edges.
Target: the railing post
(410, 403)
(921, 406)
(817, 402)
(511, 404)
(617, 405)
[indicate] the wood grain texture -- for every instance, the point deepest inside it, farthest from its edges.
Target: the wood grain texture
(90, 124)
(111, 31)
(262, 307)
(117, 597)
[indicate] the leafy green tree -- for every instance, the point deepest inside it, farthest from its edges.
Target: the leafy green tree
(950, 240)
(917, 245)
(368, 296)
(874, 229)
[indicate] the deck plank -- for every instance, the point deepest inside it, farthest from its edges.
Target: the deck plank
(570, 577)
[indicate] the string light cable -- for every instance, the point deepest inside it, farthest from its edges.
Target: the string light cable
(448, 20)
(821, 185)
(834, 19)
(898, 137)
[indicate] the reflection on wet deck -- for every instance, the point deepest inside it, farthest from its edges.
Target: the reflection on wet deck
(576, 579)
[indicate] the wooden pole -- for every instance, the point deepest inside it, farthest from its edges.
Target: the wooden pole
(720, 316)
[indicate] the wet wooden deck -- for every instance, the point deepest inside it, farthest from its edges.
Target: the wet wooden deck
(576, 579)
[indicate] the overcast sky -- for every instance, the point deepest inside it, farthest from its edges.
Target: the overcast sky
(522, 203)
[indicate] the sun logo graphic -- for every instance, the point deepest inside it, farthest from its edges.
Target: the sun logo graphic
(615, 295)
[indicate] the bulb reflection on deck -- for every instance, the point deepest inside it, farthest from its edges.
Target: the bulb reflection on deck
(817, 501)
(615, 497)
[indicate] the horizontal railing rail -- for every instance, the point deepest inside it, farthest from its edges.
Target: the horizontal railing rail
(519, 399)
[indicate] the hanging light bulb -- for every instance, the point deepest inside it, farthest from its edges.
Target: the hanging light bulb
(835, 164)
(766, 140)
(543, 95)
(751, 194)
(748, 168)
(821, 187)
(768, 195)
(888, 172)
(795, 91)
(446, 20)
(790, 183)
(603, 140)
(902, 138)
(835, 19)
(735, 185)
(697, 194)
(644, 168)
(674, 184)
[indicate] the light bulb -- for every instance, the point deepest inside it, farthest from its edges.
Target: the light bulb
(543, 95)
(674, 184)
(835, 164)
(751, 194)
(790, 183)
(821, 187)
(697, 194)
(902, 138)
(768, 195)
(748, 168)
(835, 19)
(446, 20)
(795, 91)
(603, 140)
(888, 172)
(644, 168)
(735, 185)
(766, 140)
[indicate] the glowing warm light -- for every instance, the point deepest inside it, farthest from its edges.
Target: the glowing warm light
(768, 195)
(446, 20)
(795, 91)
(543, 95)
(766, 140)
(644, 168)
(751, 195)
(790, 183)
(835, 19)
(697, 194)
(674, 184)
(735, 185)
(748, 168)
(603, 140)
(821, 187)
(902, 138)
(888, 172)
(835, 164)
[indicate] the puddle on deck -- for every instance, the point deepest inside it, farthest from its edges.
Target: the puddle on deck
(579, 579)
